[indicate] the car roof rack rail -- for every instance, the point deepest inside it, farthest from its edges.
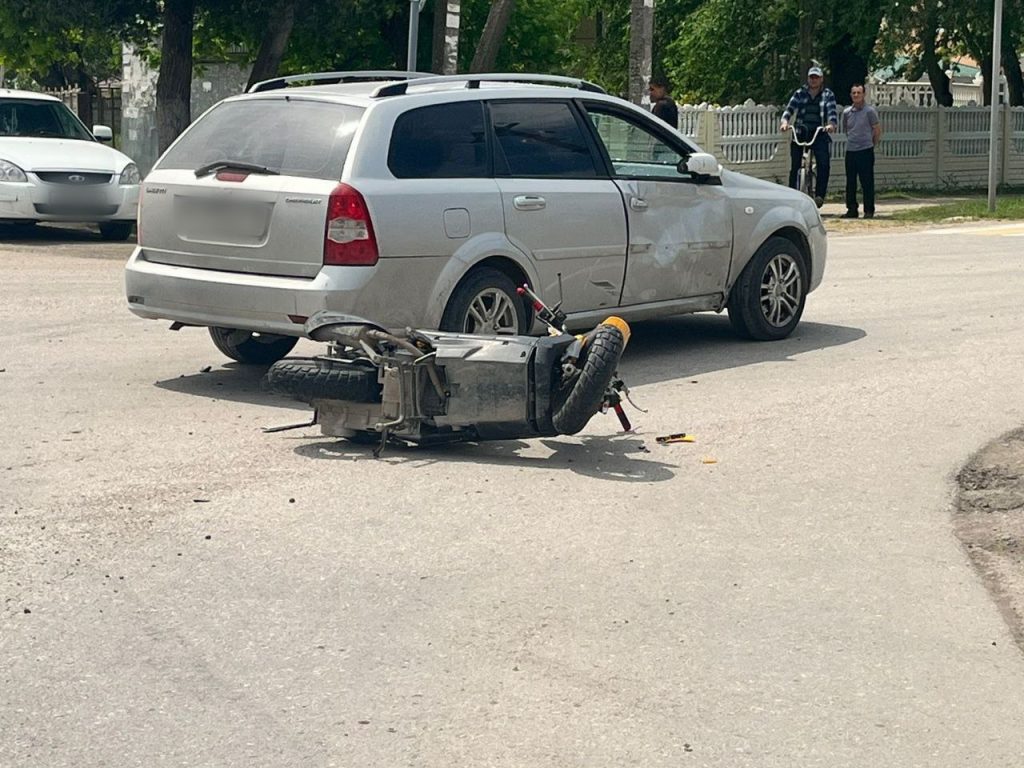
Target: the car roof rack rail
(335, 77)
(473, 81)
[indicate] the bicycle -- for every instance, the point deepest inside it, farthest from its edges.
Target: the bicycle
(807, 174)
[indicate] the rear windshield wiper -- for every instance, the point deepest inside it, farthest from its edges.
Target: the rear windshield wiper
(234, 165)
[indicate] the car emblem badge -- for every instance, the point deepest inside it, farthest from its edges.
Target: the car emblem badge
(75, 178)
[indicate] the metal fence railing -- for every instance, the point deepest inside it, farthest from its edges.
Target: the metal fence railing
(922, 147)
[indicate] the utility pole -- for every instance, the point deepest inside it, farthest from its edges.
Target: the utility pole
(641, 36)
(993, 130)
(447, 19)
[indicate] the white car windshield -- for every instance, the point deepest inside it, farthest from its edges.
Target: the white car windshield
(47, 119)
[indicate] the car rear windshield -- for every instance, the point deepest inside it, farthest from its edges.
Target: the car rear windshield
(48, 119)
(290, 136)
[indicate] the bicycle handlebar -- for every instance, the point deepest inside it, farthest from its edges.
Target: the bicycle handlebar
(796, 138)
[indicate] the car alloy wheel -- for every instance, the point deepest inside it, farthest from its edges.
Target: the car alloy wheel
(492, 311)
(781, 290)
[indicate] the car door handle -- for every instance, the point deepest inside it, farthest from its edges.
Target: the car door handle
(638, 204)
(529, 202)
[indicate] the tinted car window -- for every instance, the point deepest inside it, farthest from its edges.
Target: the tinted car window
(49, 119)
(541, 139)
(291, 136)
(442, 142)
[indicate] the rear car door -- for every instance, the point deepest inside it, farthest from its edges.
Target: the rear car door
(264, 211)
(560, 207)
(680, 226)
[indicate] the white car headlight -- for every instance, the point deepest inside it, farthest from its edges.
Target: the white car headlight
(130, 174)
(11, 172)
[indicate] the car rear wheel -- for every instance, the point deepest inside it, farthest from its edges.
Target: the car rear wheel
(486, 303)
(250, 347)
(116, 230)
(768, 298)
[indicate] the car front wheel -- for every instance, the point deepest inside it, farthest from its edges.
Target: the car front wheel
(486, 303)
(252, 348)
(768, 298)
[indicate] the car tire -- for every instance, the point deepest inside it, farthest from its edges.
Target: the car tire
(308, 379)
(252, 348)
(767, 301)
(116, 230)
(486, 303)
(584, 396)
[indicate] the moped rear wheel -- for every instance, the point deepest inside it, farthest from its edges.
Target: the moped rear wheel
(319, 378)
(583, 396)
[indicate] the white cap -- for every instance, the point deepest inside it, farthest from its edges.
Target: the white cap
(814, 71)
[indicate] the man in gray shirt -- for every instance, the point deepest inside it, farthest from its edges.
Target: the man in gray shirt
(863, 132)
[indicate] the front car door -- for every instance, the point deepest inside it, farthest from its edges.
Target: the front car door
(560, 207)
(680, 226)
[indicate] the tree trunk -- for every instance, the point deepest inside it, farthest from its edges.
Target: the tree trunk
(493, 36)
(641, 41)
(1014, 79)
(985, 64)
(941, 87)
(174, 83)
(447, 18)
(280, 21)
(847, 65)
(805, 32)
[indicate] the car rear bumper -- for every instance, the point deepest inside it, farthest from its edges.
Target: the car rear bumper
(31, 201)
(393, 293)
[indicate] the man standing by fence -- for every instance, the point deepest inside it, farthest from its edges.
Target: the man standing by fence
(812, 106)
(863, 132)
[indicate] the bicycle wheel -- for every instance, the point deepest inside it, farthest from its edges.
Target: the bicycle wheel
(809, 171)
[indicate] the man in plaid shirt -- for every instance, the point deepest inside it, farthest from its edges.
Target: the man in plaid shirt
(812, 105)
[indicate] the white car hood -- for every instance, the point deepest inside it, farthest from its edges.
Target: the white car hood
(32, 154)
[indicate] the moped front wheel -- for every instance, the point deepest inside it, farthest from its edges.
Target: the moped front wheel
(581, 398)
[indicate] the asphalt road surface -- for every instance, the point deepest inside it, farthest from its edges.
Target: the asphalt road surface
(179, 589)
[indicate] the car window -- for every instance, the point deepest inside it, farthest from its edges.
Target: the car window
(635, 150)
(541, 139)
(293, 137)
(47, 119)
(440, 142)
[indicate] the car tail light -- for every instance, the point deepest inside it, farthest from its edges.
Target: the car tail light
(349, 239)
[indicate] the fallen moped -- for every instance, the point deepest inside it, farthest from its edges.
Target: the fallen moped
(429, 387)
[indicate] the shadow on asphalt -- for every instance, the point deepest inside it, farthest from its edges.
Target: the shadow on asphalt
(620, 458)
(49, 234)
(658, 351)
(694, 344)
(232, 381)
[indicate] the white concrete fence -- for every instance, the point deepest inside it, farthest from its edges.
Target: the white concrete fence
(921, 147)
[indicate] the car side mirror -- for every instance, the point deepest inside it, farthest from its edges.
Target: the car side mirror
(701, 165)
(103, 133)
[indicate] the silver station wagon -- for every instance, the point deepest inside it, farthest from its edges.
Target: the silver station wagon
(426, 201)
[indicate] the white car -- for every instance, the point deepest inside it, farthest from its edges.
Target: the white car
(426, 201)
(53, 168)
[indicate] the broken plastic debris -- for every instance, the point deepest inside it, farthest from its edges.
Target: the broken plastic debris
(679, 437)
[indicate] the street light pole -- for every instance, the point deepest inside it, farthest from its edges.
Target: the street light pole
(997, 37)
(415, 6)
